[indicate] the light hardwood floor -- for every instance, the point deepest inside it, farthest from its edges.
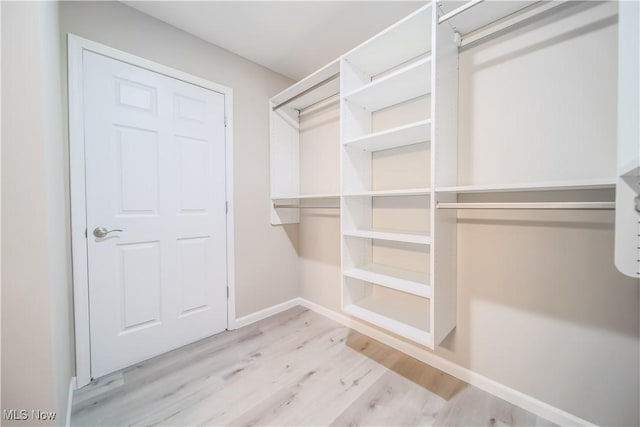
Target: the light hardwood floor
(296, 368)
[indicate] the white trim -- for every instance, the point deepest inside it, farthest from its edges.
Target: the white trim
(266, 312)
(502, 391)
(76, 45)
(72, 387)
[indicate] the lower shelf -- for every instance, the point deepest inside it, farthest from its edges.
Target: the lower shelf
(395, 278)
(407, 317)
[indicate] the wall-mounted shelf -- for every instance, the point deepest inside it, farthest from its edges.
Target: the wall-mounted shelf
(412, 133)
(307, 197)
(314, 96)
(411, 282)
(390, 193)
(399, 43)
(539, 186)
(473, 15)
(404, 84)
(392, 235)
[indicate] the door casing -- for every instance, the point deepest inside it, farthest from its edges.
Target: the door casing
(76, 45)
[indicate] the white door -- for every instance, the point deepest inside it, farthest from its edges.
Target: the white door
(155, 178)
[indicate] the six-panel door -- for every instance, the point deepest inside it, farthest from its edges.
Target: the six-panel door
(155, 169)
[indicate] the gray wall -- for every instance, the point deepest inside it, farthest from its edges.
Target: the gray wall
(37, 356)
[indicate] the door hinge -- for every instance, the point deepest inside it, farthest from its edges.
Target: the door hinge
(226, 207)
(85, 233)
(225, 121)
(227, 292)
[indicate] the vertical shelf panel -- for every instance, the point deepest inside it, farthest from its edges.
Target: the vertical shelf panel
(444, 172)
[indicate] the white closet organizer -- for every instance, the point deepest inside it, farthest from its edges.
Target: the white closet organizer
(284, 128)
(394, 245)
(400, 159)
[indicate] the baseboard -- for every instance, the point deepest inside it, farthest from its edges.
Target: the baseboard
(264, 313)
(502, 391)
(72, 388)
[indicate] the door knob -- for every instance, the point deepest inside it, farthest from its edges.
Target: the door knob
(103, 232)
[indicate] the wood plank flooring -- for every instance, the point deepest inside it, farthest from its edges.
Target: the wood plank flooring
(297, 368)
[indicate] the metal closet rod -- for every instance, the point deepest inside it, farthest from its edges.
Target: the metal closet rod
(531, 205)
(306, 91)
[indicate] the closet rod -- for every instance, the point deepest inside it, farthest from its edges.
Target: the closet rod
(310, 108)
(306, 91)
(277, 206)
(531, 205)
(458, 11)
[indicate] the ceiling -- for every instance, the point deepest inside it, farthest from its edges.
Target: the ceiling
(293, 38)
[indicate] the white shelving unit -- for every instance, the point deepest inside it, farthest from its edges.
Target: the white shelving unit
(284, 129)
(398, 66)
(398, 250)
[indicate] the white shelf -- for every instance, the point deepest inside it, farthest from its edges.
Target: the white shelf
(536, 186)
(405, 318)
(308, 196)
(481, 14)
(404, 40)
(410, 134)
(322, 92)
(402, 85)
(396, 236)
(382, 193)
(411, 282)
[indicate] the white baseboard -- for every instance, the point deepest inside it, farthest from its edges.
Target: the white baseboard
(72, 388)
(264, 313)
(509, 394)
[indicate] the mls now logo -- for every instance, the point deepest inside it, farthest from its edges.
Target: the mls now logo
(23, 415)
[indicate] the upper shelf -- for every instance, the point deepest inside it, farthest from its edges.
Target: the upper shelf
(318, 94)
(467, 18)
(402, 85)
(593, 184)
(399, 43)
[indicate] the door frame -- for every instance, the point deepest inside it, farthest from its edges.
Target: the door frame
(75, 47)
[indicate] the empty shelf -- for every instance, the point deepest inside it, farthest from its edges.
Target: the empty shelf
(593, 184)
(395, 278)
(405, 317)
(402, 192)
(396, 236)
(410, 134)
(402, 85)
(332, 87)
(404, 40)
(308, 196)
